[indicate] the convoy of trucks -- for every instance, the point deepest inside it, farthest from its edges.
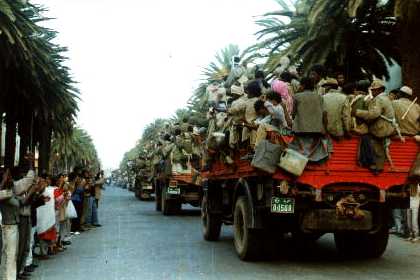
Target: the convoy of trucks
(337, 196)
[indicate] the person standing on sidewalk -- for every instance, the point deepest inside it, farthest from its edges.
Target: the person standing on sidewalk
(99, 185)
(413, 213)
(21, 189)
(77, 199)
(88, 197)
(38, 200)
(9, 208)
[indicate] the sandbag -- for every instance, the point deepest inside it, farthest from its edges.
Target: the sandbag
(266, 156)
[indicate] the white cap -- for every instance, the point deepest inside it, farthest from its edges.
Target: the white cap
(407, 90)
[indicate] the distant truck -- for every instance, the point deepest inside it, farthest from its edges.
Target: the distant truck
(144, 187)
(336, 197)
(183, 186)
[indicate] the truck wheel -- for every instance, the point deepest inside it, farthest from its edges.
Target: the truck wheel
(247, 242)
(140, 193)
(212, 223)
(362, 244)
(169, 206)
(165, 205)
(158, 199)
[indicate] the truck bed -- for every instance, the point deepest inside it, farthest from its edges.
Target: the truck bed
(342, 166)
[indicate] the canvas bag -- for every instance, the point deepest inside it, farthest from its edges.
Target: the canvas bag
(266, 157)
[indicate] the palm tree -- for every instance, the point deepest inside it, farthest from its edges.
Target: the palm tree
(407, 14)
(37, 91)
(322, 32)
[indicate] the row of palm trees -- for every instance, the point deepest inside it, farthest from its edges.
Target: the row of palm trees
(38, 97)
(73, 150)
(359, 38)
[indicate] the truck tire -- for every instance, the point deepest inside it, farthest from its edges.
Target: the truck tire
(158, 198)
(141, 193)
(362, 244)
(247, 242)
(211, 223)
(169, 206)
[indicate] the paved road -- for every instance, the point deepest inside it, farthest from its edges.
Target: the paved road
(138, 243)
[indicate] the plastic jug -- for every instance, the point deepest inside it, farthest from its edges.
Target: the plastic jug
(293, 162)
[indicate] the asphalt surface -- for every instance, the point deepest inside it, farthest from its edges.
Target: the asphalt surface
(136, 242)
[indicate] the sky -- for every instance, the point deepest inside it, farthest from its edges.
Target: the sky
(139, 60)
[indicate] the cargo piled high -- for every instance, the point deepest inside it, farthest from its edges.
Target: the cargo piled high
(293, 154)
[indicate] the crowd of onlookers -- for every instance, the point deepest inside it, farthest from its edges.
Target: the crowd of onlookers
(40, 214)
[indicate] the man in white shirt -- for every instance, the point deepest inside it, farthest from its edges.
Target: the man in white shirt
(21, 189)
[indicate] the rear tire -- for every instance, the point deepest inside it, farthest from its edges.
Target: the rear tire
(362, 244)
(248, 245)
(169, 206)
(211, 223)
(158, 197)
(141, 193)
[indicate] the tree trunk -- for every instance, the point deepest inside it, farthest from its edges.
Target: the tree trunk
(24, 133)
(10, 146)
(44, 149)
(410, 55)
(1, 138)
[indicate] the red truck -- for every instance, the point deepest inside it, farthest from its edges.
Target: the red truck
(336, 197)
(178, 189)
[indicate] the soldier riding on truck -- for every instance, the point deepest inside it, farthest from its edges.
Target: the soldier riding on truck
(312, 179)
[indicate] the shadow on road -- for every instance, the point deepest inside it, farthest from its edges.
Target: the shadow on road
(286, 250)
(189, 212)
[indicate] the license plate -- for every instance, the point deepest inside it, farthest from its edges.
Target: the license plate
(174, 190)
(148, 187)
(283, 205)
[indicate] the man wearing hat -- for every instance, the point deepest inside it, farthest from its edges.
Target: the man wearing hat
(380, 112)
(407, 112)
(381, 117)
(333, 106)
